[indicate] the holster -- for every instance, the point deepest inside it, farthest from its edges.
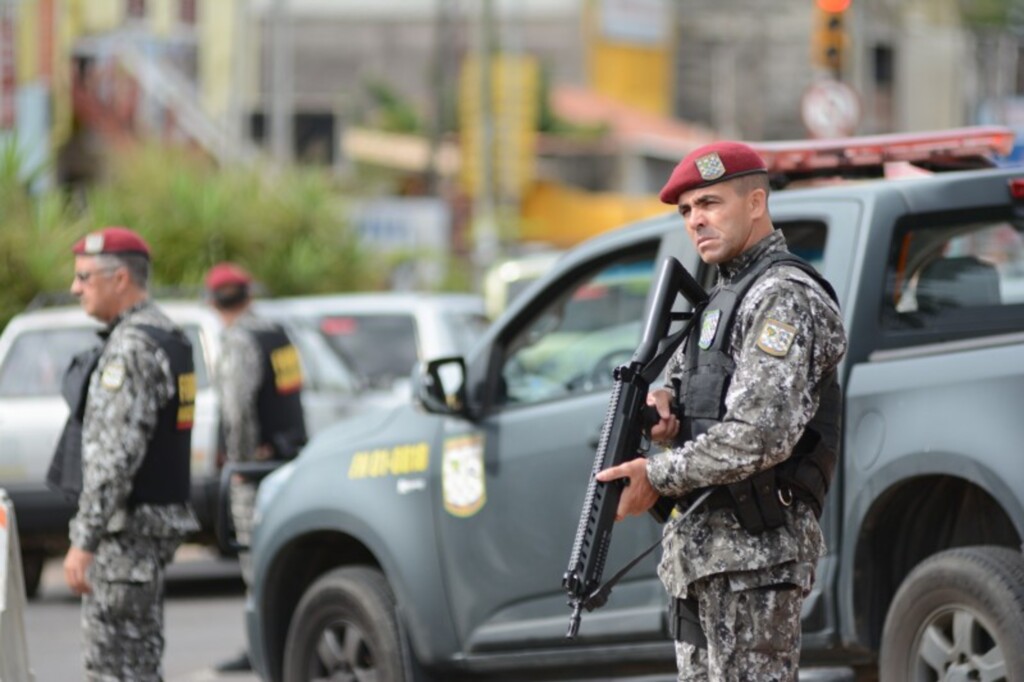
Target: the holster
(758, 507)
(684, 622)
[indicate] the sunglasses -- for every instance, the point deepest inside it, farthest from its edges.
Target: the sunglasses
(83, 277)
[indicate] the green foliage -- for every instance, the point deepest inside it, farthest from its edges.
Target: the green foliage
(36, 234)
(987, 13)
(392, 113)
(289, 229)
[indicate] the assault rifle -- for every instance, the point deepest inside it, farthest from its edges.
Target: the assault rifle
(628, 419)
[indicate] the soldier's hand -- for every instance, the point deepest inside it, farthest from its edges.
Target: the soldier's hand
(667, 429)
(638, 495)
(76, 565)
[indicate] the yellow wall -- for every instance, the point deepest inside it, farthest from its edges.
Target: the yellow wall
(216, 46)
(564, 216)
(634, 71)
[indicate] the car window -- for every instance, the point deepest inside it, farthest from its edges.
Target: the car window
(195, 337)
(955, 275)
(324, 368)
(382, 347)
(37, 360)
(576, 341)
(466, 328)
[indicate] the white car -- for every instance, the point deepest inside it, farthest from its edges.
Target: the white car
(35, 348)
(384, 335)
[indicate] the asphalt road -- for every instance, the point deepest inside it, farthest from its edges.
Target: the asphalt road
(203, 618)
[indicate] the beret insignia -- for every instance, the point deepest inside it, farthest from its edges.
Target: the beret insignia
(710, 166)
(94, 243)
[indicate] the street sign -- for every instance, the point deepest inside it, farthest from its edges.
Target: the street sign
(830, 109)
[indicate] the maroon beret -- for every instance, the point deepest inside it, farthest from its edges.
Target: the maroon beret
(227, 274)
(712, 163)
(111, 240)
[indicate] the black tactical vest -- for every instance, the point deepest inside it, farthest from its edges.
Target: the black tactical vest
(279, 398)
(708, 371)
(65, 472)
(164, 476)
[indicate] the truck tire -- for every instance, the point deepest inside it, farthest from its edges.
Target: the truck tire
(345, 628)
(958, 615)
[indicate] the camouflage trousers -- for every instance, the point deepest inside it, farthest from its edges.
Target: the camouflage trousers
(123, 616)
(753, 634)
(243, 504)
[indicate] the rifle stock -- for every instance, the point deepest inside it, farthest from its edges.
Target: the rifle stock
(622, 434)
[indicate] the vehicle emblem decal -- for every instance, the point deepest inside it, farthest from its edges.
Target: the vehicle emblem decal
(776, 338)
(708, 327)
(710, 166)
(462, 475)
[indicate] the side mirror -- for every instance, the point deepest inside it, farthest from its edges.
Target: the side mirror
(440, 386)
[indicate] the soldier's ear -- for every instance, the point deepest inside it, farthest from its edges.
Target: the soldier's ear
(757, 201)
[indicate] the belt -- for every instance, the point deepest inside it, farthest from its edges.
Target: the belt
(718, 499)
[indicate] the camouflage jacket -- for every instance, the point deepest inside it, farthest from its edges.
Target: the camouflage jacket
(132, 380)
(239, 375)
(769, 402)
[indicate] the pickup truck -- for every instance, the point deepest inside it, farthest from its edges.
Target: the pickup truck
(429, 541)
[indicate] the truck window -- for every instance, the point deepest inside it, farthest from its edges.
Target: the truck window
(383, 347)
(806, 238)
(955, 276)
(576, 341)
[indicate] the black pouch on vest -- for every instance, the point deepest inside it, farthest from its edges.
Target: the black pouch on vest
(684, 623)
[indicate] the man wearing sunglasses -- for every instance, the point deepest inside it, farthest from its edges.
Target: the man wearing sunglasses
(136, 407)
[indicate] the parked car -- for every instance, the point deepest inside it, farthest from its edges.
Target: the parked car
(35, 348)
(384, 335)
(430, 541)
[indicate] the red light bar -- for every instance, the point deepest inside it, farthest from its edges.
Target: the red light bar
(950, 147)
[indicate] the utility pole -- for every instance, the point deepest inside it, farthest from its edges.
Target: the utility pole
(485, 222)
(281, 103)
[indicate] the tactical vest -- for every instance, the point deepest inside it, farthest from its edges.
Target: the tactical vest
(164, 476)
(279, 398)
(708, 371)
(65, 472)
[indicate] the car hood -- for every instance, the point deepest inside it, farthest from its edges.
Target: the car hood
(367, 423)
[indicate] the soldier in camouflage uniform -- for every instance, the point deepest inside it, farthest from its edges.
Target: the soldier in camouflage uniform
(133, 509)
(259, 385)
(758, 426)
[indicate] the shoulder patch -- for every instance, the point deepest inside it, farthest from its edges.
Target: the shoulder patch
(776, 338)
(113, 376)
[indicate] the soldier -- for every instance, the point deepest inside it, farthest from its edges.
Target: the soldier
(758, 426)
(133, 510)
(259, 385)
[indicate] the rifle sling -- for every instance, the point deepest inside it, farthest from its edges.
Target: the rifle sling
(599, 596)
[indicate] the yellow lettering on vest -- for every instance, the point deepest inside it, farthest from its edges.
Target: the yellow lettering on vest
(287, 369)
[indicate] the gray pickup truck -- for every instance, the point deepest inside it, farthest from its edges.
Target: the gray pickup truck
(429, 541)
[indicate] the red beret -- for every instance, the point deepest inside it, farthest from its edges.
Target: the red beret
(227, 274)
(111, 240)
(710, 164)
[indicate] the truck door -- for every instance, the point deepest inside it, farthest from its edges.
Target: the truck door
(507, 537)
(824, 233)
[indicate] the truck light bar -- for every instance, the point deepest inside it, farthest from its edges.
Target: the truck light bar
(954, 149)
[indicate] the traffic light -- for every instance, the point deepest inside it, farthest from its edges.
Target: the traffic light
(830, 38)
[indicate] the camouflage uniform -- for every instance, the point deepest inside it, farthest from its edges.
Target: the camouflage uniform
(123, 615)
(238, 378)
(750, 588)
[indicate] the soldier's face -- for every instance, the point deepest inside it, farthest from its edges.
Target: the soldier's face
(719, 220)
(96, 288)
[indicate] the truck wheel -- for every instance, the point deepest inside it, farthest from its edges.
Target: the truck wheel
(32, 564)
(345, 628)
(959, 615)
